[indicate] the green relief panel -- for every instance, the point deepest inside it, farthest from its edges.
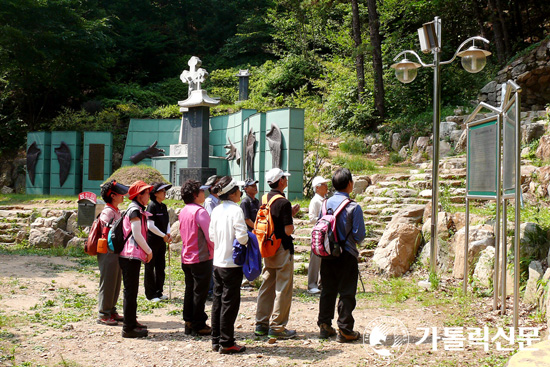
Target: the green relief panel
(72, 184)
(97, 160)
(165, 139)
(170, 126)
(41, 184)
(143, 132)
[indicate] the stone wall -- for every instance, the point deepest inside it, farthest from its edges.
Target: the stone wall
(531, 72)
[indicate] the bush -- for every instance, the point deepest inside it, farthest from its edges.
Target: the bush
(166, 112)
(354, 145)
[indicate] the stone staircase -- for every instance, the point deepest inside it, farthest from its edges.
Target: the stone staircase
(391, 193)
(14, 223)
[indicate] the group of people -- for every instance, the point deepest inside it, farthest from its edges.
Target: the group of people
(209, 228)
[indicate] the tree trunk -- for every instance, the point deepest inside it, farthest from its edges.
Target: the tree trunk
(478, 14)
(359, 59)
(507, 45)
(376, 42)
(497, 31)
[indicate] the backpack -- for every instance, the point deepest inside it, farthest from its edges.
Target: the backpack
(264, 229)
(324, 239)
(116, 238)
(90, 246)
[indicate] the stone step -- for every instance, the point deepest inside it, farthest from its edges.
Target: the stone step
(415, 201)
(387, 184)
(381, 200)
(7, 238)
(16, 213)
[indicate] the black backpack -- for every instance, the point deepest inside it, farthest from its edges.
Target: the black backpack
(116, 236)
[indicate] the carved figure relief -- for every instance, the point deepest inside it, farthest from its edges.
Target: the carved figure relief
(232, 152)
(250, 142)
(32, 158)
(275, 142)
(150, 152)
(63, 153)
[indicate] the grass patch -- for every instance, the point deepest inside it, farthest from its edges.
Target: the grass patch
(395, 290)
(11, 199)
(356, 164)
(353, 145)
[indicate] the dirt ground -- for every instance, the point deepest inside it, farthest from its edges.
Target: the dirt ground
(48, 318)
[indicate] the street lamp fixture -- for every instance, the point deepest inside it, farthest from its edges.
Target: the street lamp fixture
(473, 60)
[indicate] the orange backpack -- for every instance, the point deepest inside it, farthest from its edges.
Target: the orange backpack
(264, 229)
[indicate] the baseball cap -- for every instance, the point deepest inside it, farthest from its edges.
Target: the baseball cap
(117, 188)
(136, 188)
(161, 186)
(274, 175)
(318, 180)
(230, 186)
(250, 182)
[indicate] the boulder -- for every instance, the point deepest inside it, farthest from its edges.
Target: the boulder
(444, 148)
(174, 193)
(460, 146)
(378, 148)
(175, 232)
(444, 254)
(485, 268)
(535, 274)
(530, 236)
(403, 152)
(411, 214)
(444, 226)
(455, 135)
(71, 224)
(6, 190)
(543, 151)
(41, 237)
(61, 237)
(422, 143)
(397, 249)
(76, 242)
(396, 141)
(480, 237)
(446, 127)
(418, 157)
(360, 185)
(172, 216)
(533, 131)
(59, 222)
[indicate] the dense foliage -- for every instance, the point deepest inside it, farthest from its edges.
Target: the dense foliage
(93, 64)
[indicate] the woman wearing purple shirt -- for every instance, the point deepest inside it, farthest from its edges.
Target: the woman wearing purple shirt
(196, 257)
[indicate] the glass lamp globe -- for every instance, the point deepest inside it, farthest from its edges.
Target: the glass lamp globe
(474, 59)
(406, 71)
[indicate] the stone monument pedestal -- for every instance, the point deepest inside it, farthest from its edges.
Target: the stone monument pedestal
(200, 174)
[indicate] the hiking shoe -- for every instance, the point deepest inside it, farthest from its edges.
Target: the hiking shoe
(155, 300)
(140, 325)
(232, 350)
(346, 338)
(326, 331)
(314, 291)
(116, 316)
(215, 347)
(188, 328)
(163, 297)
(282, 335)
(261, 330)
(206, 330)
(109, 321)
(135, 333)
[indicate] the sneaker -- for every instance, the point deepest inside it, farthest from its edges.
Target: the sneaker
(155, 300)
(232, 350)
(117, 317)
(314, 291)
(261, 330)
(282, 335)
(346, 338)
(326, 331)
(135, 333)
(188, 328)
(110, 321)
(206, 330)
(163, 297)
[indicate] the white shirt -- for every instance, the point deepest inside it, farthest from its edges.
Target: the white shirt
(315, 208)
(226, 224)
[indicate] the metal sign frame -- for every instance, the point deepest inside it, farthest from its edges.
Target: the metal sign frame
(511, 99)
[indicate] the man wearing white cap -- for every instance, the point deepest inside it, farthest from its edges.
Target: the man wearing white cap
(319, 185)
(275, 293)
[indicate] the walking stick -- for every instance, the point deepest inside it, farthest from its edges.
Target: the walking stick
(170, 274)
(361, 279)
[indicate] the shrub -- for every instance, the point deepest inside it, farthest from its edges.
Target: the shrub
(354, 145)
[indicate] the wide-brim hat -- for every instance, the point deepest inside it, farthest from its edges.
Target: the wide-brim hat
(137, 188)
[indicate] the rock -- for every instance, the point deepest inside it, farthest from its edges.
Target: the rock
(428, 209)
(444, 226)
(422, 143)
(61, 238)
(460, 146)
(479, 239)
(41, 238)
(418, 157)
(71, 223)
(175, 232)
(530, 132)
(484, 270)
(490, 87)
(360, 185)
(530, 236)
(174, 193)
(444, 148)
(525, 152)
(76, 242)
(446, 127)
(411, 214)
(455, 135)
(172, 215)
(6, 190)
(60, 223)
(444, 254)
(543, 151)
(535, 274)
(396, 141)
(397, 249)
(537, 354)
(403, 152)
(378, 148)
(370, 140)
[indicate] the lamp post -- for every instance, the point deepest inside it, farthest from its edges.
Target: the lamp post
(473, 60)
